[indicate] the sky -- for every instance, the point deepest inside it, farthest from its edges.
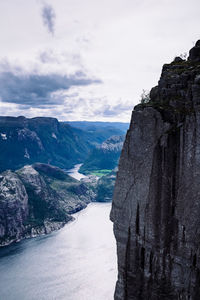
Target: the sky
(88, 60)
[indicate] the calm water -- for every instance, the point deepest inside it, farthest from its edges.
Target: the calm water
(76, 263)
(74, 172)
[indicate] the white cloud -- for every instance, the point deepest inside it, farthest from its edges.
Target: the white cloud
(122, 42)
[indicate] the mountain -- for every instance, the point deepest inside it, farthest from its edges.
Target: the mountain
(104, 156)
(156, 203)
(38, 199)
(100, 126)
(105, 187)
(102, 161)
(35, 196)
(26, 141)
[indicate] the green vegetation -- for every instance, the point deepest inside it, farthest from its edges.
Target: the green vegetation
(100, 160)
(100, 173)
(103, 157)
(59, 185)
(53, 194)
(145, 97)
(105, 187)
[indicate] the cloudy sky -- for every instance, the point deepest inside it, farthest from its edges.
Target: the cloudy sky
(91, 59)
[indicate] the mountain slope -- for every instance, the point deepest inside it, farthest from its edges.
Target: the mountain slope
(105, 187)
(25, 141)
(104, 156)
(38, 199)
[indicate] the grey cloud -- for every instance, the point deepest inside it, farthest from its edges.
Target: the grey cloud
(38, 90)
(52, 57)
(47, 57)
(49, 16)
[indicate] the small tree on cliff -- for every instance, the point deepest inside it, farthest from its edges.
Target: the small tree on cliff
(145, 97)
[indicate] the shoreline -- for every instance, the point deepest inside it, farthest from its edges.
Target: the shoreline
(49, 226)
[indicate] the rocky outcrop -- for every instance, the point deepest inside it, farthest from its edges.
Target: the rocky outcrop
(156, 203)
(114, 143)
(14, 212)
(38, 199)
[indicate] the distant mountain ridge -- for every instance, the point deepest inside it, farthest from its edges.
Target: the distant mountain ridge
(92, 125)
(46, 140)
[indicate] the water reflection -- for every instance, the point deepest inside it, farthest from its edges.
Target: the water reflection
(77, 262)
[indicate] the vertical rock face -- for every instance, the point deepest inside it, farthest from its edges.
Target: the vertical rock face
(156, 204)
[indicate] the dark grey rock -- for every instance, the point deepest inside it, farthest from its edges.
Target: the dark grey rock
(156, 203)
(194, 53)
(178, 59)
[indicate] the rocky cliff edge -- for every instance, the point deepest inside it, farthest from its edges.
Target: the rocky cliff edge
(156, 203)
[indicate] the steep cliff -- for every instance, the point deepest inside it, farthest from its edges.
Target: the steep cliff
(38, 199)
(156, 204)
(14, 212)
